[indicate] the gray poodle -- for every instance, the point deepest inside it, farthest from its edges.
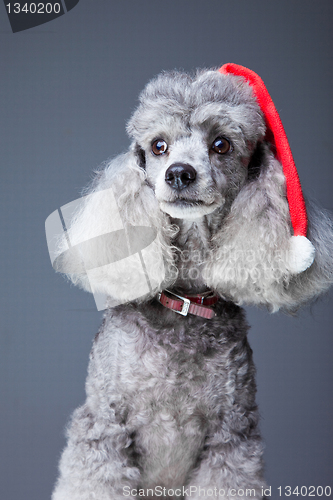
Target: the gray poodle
(170, 410)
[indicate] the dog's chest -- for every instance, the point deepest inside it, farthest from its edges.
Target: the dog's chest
(171, 418)
(158, 366)
(180, 399)
(170, 383)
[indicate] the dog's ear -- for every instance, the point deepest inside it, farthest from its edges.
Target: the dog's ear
(256, 259)
(117, 241)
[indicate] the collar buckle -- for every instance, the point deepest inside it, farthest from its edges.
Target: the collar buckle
(186, 303)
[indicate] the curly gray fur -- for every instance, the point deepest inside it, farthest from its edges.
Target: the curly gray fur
(170, 399)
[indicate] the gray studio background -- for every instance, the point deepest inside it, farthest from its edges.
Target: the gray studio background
(66, 91)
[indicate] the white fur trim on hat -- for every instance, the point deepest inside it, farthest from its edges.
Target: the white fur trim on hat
(301, 254)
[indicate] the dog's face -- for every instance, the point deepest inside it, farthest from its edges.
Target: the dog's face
(195, 138)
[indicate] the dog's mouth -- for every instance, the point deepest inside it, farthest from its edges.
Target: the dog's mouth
(185, 202)
(186, 208)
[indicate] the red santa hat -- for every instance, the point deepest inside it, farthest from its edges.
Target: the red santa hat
(301, 249)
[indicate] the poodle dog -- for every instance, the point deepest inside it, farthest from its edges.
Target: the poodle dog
(180, 231)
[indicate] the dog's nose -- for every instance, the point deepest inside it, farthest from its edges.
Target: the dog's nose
(180, 175)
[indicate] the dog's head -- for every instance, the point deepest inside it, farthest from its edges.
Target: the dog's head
(200, 160)
(195, 138)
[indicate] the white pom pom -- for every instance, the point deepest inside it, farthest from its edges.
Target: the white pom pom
(301, 254)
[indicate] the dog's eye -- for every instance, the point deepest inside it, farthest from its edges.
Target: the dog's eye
(221, 145)
(159, 147)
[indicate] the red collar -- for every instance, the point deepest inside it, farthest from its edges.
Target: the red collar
(193, 304)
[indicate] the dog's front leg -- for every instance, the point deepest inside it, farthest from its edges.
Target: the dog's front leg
(95, 464)
(229, 471)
